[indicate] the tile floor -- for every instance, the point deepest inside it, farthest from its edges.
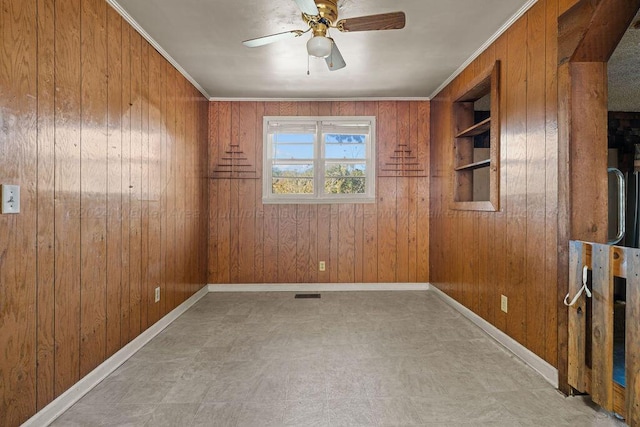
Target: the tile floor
(349, 358)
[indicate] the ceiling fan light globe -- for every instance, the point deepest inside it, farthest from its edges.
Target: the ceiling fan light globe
(319, 46)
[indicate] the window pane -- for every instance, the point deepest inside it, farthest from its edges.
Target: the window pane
(344, 186)
(292, 179)
(293, 146)
(345, 146)
(339, 170)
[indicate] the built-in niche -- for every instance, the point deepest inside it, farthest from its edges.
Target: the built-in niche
(476, 145)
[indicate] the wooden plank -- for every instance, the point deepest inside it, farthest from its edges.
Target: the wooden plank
(303, 249)
(324, 235)
(387, 264)
(287, 256)
(346, 243)
(588, 157)
(577, 317)
(146, 297)
(632, 339)
(535, 180)
(516, 139)
(403, 195)
(223, 205)
(563, 223)
(46, 205)
(67, 184)
(246, 231)
(423, 192)
(155, 183)
(247, 208)
(213, 194)
(334, 239)
(370, 216)
(18, 162)
(234, 241)
(114, 180)
(387, 226)
(126, 183)
(551, 186)
(602, 327)
(135, 192)
(93, 185)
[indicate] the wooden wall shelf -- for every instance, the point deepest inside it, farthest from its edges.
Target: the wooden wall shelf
(477, 129)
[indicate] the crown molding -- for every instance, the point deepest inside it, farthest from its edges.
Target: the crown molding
(486, 44)
(114, 4)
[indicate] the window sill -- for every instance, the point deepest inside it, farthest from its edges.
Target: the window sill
(317, 201)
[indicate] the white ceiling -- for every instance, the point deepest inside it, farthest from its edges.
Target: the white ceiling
(624, 87)
(204, 38)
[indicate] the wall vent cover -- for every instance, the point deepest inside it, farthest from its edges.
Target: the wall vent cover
(302, 296)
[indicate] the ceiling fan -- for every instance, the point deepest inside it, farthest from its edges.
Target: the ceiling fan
(321, 15)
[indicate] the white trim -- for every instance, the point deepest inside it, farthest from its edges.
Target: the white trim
(319, 287)
(56, 408)
(362, 98)
(114, 4)
(540, 365)
(486, 44)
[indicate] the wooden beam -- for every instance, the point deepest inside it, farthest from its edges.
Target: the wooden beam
(591, 30)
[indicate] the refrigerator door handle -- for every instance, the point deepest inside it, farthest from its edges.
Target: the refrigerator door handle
(621, 206)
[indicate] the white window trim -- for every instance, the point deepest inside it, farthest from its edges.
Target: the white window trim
(319, 162)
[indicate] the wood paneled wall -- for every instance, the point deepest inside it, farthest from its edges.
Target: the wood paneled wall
(386, 241)
(478, 256)
(109, 144)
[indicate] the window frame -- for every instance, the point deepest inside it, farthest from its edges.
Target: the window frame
(319, 162)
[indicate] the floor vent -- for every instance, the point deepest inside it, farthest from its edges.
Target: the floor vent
(307, 296)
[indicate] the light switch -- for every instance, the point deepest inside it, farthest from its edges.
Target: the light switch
(10, 199)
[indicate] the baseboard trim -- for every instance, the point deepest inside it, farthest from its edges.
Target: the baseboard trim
(319, 287)
(56, 408)
(540, 365)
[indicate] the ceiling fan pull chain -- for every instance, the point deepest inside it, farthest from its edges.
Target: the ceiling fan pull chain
(308, 73)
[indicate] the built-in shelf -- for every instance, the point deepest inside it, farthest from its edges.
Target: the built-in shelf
(476, 129)
(475, 165)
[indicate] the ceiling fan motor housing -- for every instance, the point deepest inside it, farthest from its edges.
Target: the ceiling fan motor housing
(328, 13)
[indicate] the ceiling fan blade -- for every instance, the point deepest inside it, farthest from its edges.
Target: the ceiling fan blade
(335, 61)
(261, 41)
(384, 21)
(308, 7)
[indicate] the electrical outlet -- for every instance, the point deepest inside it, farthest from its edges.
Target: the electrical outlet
(322, 266)
(158, 294)
(504, 303)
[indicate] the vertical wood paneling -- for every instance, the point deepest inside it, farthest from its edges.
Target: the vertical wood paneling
(536, 156)
(67, 193)
(85, 141)
(135, 186)
(285, 243)
(144, 188)
(126, 185)
(114, 180)
(18, 165)
(45, 233)
(514, 251)
(516, 189)
(551, 182)
(93, 188)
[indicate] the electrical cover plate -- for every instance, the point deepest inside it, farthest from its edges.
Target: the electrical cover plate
(10, 199)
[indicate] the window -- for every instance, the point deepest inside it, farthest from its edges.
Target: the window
(319, 160)
(476, 144)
